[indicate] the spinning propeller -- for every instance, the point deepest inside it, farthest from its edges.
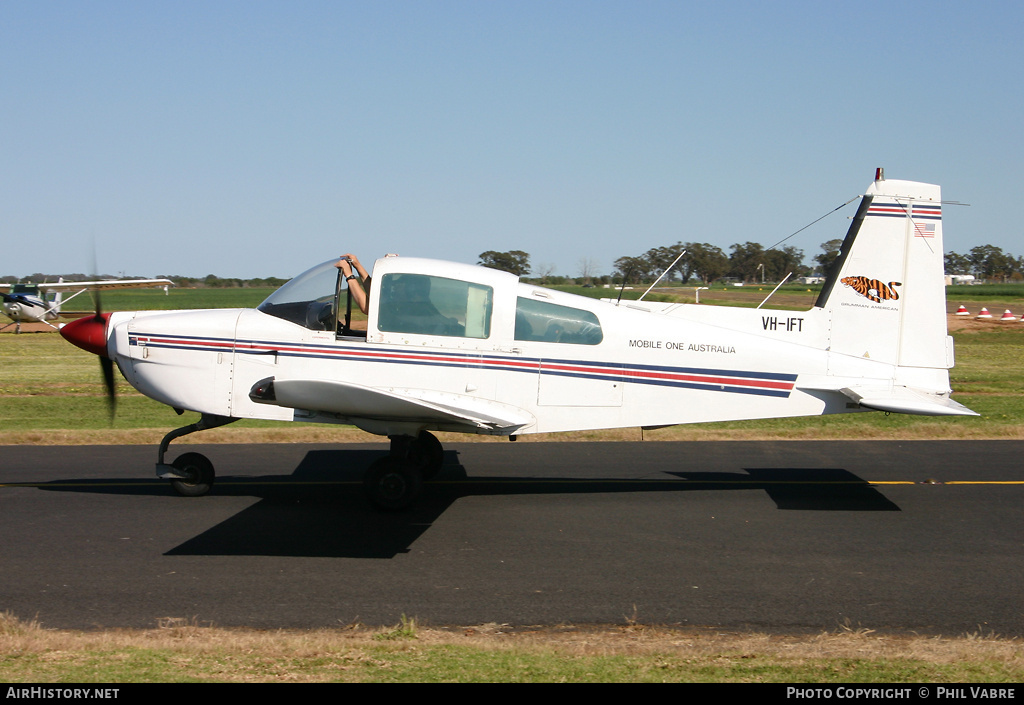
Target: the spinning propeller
(90, 334)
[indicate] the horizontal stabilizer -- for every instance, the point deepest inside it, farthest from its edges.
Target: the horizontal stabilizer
(903, 400)
(358, 402)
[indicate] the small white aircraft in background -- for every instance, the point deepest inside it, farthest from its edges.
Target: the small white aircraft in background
(41, 303)
(454, 347)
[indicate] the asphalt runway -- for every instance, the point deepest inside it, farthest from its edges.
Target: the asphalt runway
(780, 537)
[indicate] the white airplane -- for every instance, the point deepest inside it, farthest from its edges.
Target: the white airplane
(32, 303)
(454, 347)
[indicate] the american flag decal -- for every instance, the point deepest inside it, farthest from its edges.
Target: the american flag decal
(924, 230)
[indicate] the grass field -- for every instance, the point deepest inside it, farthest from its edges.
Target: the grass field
(157, 300)
(178, 651)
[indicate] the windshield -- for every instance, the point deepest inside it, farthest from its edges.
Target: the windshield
(308, 299)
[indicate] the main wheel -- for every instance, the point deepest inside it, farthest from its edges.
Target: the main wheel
(427, 453)
(198, 473)
(392, 484)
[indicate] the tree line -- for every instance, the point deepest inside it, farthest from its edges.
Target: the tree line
(986, 262)
(748, 262)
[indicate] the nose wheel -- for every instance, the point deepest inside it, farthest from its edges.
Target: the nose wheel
(196, 475)
(191, 474)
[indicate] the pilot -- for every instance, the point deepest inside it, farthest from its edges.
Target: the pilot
(358, 282)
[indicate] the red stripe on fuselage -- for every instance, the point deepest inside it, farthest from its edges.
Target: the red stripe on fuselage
(542, 366)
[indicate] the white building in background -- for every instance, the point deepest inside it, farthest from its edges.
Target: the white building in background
(960, 279)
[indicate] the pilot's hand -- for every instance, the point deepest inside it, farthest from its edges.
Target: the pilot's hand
(356, 265)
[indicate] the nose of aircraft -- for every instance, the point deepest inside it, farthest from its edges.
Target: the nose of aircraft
(88, 333)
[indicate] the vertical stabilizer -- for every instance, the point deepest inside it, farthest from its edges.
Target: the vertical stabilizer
(886, 293)
(55, 308)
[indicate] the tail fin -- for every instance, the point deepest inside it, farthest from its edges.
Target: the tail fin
(57, 298)
(886, 300)
(887, 291)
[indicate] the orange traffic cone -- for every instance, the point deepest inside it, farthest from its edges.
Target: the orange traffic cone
(1007, 316)
(984, 313)
(962, 311)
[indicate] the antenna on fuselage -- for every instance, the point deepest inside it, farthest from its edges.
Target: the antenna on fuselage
(775, 289)
(667, 270)
(622, 287)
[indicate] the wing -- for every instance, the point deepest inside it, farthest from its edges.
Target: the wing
(356, 402)
(106, 284)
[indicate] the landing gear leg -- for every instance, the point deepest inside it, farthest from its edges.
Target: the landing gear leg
(394, 482)
(426, 452)
(191, 474)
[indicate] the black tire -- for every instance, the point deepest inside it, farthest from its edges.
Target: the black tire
(427, 453)
(198, 471)
(392, 484)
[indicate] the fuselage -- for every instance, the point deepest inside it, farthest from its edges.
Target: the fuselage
(493, 344)
(26, 304)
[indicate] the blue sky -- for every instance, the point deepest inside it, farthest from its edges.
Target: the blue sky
(256, 139)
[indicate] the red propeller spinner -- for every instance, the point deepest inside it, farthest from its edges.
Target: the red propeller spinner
(88, 333)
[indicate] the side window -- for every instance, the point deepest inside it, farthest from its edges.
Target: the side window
(418, 303)
(551, 323)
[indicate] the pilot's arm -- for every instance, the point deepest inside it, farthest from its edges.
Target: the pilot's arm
(355, 286)
(360, 270)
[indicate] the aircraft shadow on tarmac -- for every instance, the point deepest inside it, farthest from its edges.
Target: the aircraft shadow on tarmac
(319, 510)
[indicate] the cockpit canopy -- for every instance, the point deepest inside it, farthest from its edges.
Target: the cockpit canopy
(309, 299)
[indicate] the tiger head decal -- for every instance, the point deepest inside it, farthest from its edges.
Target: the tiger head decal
(873, 289)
